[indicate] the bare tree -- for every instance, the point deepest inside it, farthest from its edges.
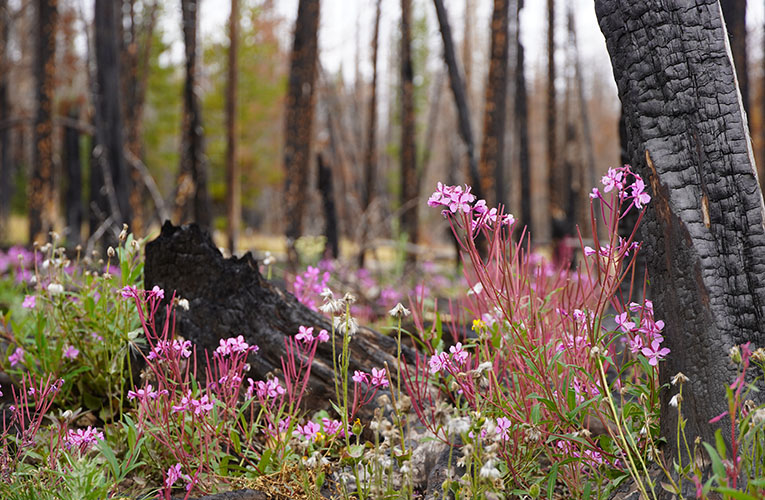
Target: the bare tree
(192, 199)
(704, 230)
(233, 187)
(459, 91)
(522, 123)
(409, 222)
(41, 209)
(370, 156)
(491, 166)
(555, 184)
(299, 120)
(5, 112)
(136, 41)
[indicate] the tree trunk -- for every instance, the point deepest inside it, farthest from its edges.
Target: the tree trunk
(734, 14)
(192, 199)
(109, 153)
(229, 297)
(555, 184)
(299, 120)
(136, 49)
(522, 122)
(704, 228)
(41, 209)
(409, 186)
(459, 91)
(370, 156)
(327, 190)
(5, 131)
(73, 169)
(491, 166)
(233, 184)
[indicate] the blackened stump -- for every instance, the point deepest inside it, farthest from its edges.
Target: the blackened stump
(229, 297)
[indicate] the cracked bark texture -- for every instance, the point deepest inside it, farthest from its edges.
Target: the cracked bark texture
(703, 234)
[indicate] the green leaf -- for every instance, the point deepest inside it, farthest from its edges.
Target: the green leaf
(265, 460)
(717, 465)
(738, 495)
(234, 436)
(107, 452)
(551, 480)
(720, 443)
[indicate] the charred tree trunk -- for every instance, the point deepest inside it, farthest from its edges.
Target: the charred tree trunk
(522, 122)
(459, 91)
(491, 166)
(327, 190)
(5, 131)
(109, 153)
(136, 49)
(299, 120)
(73, 169)
(229, 297)
(233, 184)
(192, 198)
(734, 14)
(409, 223)
(41, 186)
(704, 228)
(370, 156)
(555, 184)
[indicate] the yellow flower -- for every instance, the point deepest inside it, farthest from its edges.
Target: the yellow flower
(478, 324)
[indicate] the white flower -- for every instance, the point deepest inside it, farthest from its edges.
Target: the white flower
(679, 378)
(476, 289)
(489, 471)
(56, 288)
(399, 311)
(676, 400)
(183, 304)
(347, 324)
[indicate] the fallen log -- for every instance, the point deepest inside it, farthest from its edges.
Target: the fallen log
(229, 297)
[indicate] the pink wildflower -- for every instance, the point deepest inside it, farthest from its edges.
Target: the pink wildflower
(157, 293)
(655, 353)
(309, 431)
(503, 428)
(174, 474)
(233, 346)
(438, 362)
(332, 427)
(638, 193)
(129, 292)
(613, 180)
(269, 389)
(323, 336)
(459, 355)
(623, 320)
(83, 439)
(378, 378)
(29, 302)
(201, 406)
(305, 335)
(16, 357)
(359, 377)
(71, 353)
(142, 394)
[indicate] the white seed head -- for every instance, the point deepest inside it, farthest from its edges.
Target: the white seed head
(676, 400)
(399, 311)
(55, 288)
(110, 252)
(680, 378)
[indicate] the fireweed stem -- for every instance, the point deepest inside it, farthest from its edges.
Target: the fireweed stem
(627, 445)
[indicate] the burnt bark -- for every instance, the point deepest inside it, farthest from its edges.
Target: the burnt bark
(233, 184)
(522, 123)
(555, 184)
(734, 14)
(41, 183)
(229, 297)
(704, 232)
(459, 91)
(192, 199)
(5, 112)
(327, 190)
(409, 223)
(491, 166)
(109, 155)
(299, 120)
(73, 168)
(370, 154)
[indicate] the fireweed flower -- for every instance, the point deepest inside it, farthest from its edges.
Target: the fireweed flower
(332, 427)
(655, 352)
(623, 320)
(71, 352)
(16, 357)
(639, 195)
(142, 394)
(379, 378)
(83, 439)
(438, 362)
(174, 474)
(613, 179)
(235, 345)
(165, 347)
(323, 336)
(156, 293)
(359, 377)
(305, 335)
(309, 430)
(129, 292)
(503, 428)
(29, 302)
(269, 389)
(459, 355)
